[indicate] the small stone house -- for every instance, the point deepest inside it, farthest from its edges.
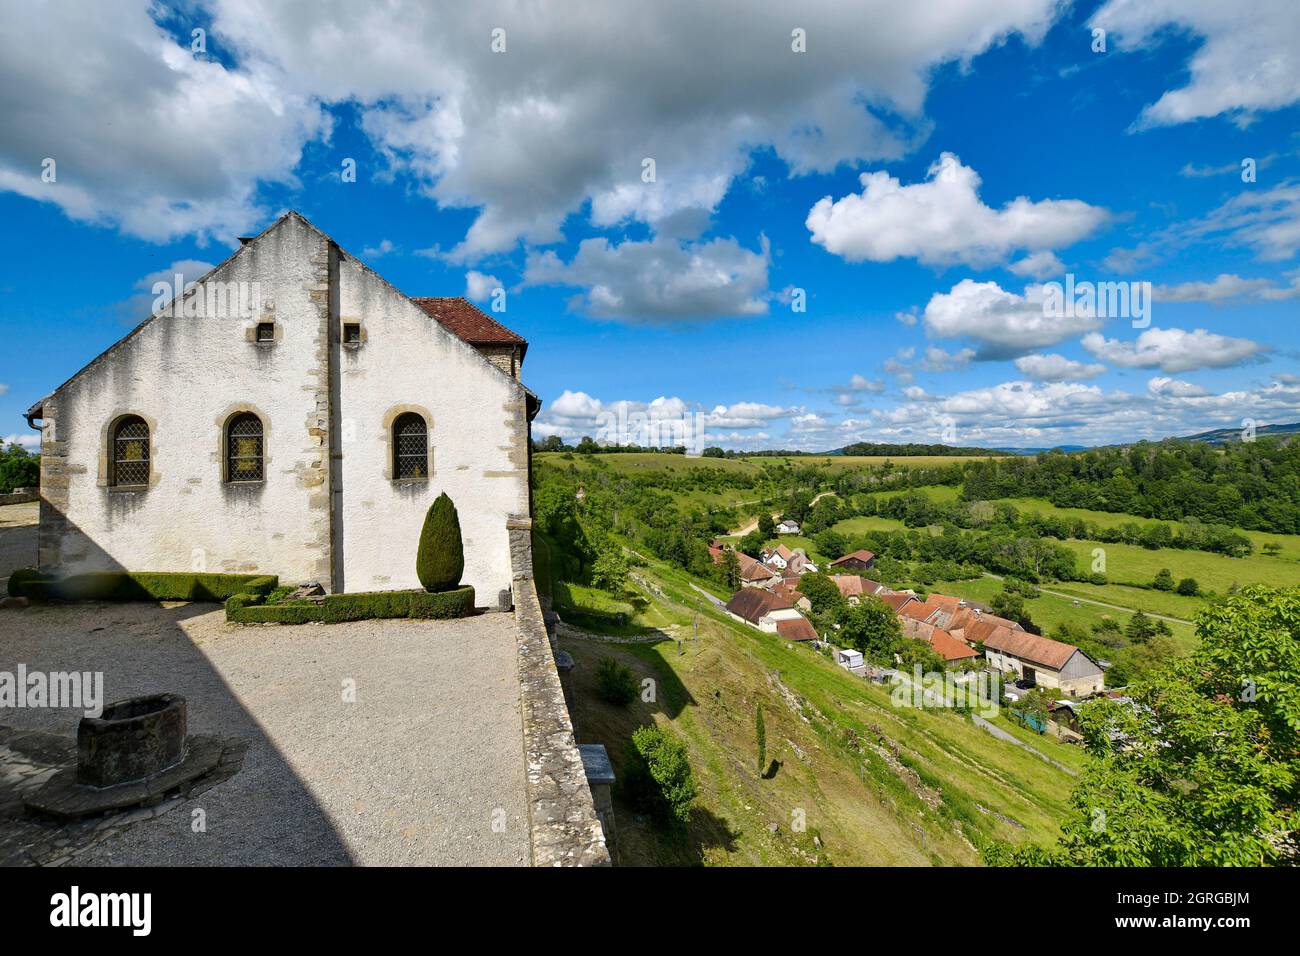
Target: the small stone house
(1048, 663)
(290, 413)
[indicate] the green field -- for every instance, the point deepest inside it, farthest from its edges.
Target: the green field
(1289, 543)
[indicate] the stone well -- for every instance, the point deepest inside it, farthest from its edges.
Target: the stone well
(132, 739)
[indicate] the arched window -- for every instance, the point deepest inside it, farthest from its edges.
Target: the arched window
(244, 448)
(410, 447)
(130, 453)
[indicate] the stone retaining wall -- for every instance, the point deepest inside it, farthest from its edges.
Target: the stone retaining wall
(19, 498)
(563, 824)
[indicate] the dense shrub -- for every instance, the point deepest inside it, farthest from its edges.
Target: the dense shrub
(361, 606)
(140, 586)
(615, 682)
(440, 560)
(658, 779)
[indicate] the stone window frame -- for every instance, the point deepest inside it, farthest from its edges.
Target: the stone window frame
(106, 452)
(277, 333)
(361, 334)
(224, 420)
(390, 443)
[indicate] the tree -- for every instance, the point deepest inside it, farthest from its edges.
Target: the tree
(18, 468)
(1201, 769)
(767, 526)
(822, 593)
(658, 777)
(713, 451)
(610, 570)
(1012, 607)
(440, 558)
(761, 732)
(1272, 549)
(872, 627)
(752, 543)
(1189, 587)
(1164, 580)
(731, 570)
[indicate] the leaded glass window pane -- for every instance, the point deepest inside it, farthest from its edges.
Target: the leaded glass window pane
(244, 449)
(411, 447)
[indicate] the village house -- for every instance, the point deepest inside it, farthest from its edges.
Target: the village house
(295, 414)
(853, 587)
(788, 527)
(857, 561)
(754, 573)
(1048, 663)
(774, 613)
(788, 587)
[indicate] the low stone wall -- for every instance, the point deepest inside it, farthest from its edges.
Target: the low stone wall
(19, 497)
(563, 824)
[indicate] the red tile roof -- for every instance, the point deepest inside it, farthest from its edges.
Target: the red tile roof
(796, 629)
(1030, 647)
(469, 322)
(863, 556)
(751, 569)
(752, 603)
(896, 600)
(919, 610)
(949, 648)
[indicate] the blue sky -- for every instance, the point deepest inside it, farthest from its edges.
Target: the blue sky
(916, 173)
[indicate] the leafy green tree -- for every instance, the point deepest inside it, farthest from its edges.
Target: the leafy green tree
(872, 627)
(658, 777)
(731, 570)
(766, 526)
(18, 468)
(1203, 768)
(831, 543)
(1189, 587)
(752, 543)
(1012, 607)
(610, 570)
(761, 733)
(713, 451)
(440, 558)
(821, 591)
(1164, 580)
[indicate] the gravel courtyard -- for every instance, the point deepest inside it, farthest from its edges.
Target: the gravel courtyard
(425, 767)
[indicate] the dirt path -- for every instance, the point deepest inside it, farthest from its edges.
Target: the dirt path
(1113, 607)
(776, 515)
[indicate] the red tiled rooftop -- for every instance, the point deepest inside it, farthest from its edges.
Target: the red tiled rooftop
(468, 321)
(796, 629)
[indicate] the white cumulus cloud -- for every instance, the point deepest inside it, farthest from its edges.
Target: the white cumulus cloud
(943, 221)
(1174, 350)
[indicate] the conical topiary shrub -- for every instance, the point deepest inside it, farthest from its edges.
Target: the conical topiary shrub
(440, 560)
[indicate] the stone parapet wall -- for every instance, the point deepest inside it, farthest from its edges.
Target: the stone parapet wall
(564, 827)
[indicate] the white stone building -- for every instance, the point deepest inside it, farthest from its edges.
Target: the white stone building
(293, 414)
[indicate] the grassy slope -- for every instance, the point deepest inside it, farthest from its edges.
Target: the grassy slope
(866, 805)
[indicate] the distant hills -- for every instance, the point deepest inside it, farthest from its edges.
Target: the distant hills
(1217, 436)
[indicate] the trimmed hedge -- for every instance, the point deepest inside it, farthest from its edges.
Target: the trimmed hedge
(361, 606)
(139, 586)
